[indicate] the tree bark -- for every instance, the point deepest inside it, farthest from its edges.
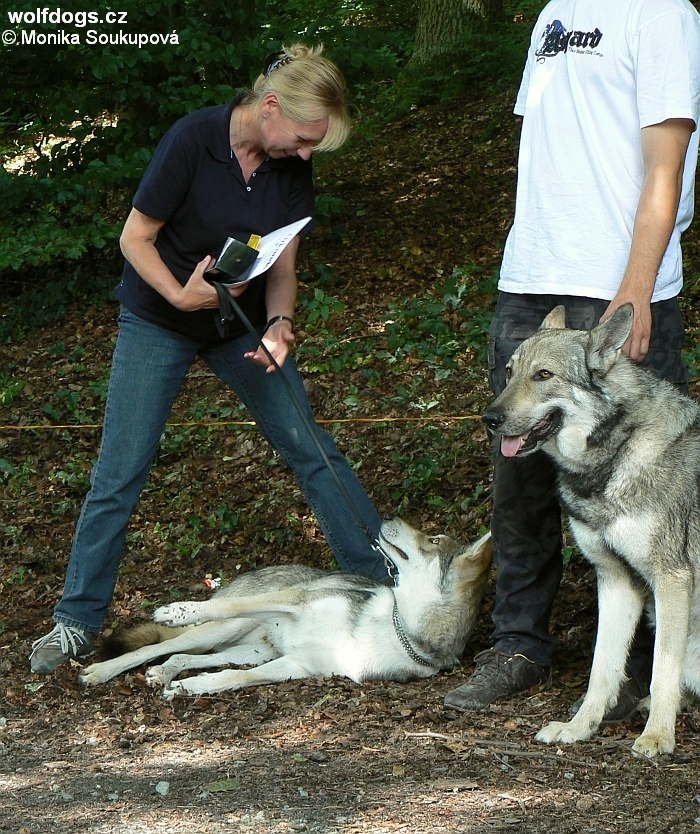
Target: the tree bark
(444, 24)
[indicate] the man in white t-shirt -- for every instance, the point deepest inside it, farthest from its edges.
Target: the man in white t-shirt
(611, 104)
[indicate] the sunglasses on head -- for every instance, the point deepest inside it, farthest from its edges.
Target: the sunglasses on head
(274, 60)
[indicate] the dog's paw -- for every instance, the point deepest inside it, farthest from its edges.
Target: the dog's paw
(563, 732)
(178, 614)
(157, 676)
(92, 675)
(172, 690)
(654, 744)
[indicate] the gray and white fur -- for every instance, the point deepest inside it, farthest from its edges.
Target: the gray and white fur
(295, 622)
(626, 446)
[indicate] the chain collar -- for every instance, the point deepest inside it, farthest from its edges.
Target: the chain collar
(406, 643)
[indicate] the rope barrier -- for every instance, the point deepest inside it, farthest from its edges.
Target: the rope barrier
(442, 419)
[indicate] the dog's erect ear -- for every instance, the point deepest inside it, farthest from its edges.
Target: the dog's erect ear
(607, 339)
(556, 320)
(477, 558)
(480, 551)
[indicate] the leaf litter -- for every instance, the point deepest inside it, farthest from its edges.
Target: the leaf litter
(418, 198)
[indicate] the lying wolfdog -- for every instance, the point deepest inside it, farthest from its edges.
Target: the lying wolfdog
(626, 447)
(297, 622)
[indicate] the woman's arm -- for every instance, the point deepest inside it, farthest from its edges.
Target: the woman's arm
(280, 297)
(137, 243)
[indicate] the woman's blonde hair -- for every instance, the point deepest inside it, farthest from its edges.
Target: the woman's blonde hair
(309, 88)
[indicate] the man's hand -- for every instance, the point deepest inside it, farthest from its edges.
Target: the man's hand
(278, 340)
(637, 344)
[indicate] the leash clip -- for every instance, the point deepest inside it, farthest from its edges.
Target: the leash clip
(390, 566)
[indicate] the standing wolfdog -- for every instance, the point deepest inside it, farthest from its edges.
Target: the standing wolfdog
(297, 622)
(626, 446)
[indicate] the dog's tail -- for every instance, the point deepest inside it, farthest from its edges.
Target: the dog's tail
(128, 639)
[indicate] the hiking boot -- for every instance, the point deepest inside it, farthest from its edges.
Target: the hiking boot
(497, 676)
(61, 643)
(630, 701)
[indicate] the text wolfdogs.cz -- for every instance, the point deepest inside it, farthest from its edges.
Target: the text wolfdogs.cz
(92, 37)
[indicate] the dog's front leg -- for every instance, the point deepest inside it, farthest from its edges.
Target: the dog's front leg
(672, 605)
(619, 609)
(223, 608)
(183, 613)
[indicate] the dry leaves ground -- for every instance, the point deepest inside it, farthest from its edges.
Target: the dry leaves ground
(420, 197)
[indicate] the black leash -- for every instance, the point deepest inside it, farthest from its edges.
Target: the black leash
(228, 310)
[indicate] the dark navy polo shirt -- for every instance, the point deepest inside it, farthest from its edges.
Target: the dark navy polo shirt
(195, 185)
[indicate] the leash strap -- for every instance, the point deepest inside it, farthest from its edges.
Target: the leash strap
(228, 310)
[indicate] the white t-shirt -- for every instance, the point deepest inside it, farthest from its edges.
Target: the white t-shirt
(597, 72)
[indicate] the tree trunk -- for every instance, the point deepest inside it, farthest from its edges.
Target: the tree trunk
(445, 24)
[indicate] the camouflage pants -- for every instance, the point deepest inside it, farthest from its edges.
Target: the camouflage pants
(526, 521)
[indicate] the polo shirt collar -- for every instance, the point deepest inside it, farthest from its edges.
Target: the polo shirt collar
(219, 140)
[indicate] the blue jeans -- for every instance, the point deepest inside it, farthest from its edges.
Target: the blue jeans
(148, 368)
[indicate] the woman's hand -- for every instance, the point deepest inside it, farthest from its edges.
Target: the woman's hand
(198, 293)
(138, 245)
(278, 339)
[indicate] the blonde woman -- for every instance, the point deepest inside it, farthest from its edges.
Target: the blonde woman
(231, 170)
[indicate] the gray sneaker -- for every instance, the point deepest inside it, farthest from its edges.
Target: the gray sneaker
(61, 643)
(497, 676)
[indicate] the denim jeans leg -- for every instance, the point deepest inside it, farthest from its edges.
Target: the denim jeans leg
(148, 367)
(271, 407)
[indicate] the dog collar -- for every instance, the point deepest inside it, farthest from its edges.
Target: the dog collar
(405, 642)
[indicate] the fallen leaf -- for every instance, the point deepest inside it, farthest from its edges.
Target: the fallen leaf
(224, 785)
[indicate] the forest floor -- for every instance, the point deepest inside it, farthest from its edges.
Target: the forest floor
(411, 202)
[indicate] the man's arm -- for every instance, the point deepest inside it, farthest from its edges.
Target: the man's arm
(664, 147)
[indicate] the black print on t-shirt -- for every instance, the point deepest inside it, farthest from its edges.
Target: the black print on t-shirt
(556, 39)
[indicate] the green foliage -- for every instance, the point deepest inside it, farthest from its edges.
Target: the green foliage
(442, 325)
(10, 388)
(18, 575)
(320, 306)
(438, 328)
(419, 472)
(484, 59)
(426, 465)
(691, 358)
(80, 144)
(49, 299)
(326, 207)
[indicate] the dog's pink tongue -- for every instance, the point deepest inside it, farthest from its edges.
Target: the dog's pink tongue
(510, 446)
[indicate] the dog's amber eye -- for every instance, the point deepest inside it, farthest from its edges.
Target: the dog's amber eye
(544, 374)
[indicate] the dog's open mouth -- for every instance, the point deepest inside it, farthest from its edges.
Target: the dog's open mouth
(511, 445)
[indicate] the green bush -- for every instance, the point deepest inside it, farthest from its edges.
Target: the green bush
(86, 137)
